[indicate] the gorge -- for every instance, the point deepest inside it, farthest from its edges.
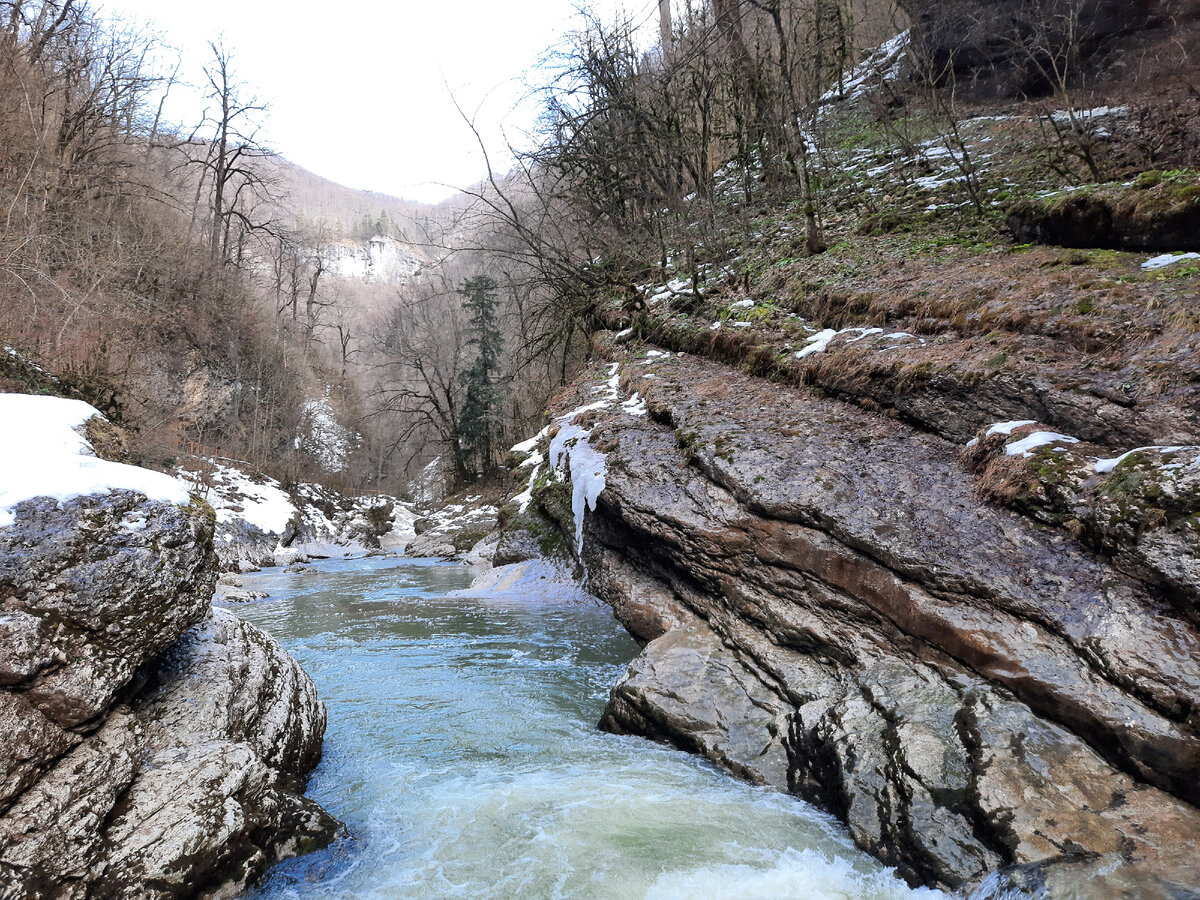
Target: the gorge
(777, 477)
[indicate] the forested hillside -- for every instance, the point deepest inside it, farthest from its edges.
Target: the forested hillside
(195, 286)
(205, 292)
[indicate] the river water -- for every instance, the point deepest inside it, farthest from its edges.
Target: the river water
(462, 754)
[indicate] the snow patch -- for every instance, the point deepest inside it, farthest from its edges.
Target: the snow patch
(635, 405)
(819, 342)
(263, 504)
(43, 454)
(1009, 427)
(884, 64)
(1104, 466)
(1168, 259)
(1026, 446)
(524, 498)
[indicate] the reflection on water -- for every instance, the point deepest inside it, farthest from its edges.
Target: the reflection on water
(462, 753)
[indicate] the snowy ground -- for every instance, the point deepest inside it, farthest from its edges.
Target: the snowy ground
(44, 453)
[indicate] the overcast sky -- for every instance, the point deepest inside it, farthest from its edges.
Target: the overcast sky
(360, 90)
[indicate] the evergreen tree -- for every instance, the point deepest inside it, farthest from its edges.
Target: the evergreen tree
(475, 438)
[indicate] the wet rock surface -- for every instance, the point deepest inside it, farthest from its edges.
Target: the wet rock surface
(156, 747)
(831, 609)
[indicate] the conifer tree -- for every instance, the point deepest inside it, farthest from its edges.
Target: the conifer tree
(474, 443)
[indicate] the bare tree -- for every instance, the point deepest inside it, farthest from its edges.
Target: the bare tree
(225, 151)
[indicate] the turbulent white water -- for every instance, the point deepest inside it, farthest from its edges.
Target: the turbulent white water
(463, 755)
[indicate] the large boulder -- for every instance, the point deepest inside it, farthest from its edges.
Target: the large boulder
(155, 747)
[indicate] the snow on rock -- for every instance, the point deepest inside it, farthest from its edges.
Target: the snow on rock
(43, 453)
(1168, 259)
(524, 498)
(323, 438)
(635, 405)
(260, 502)
(1027, 445)
(1005, 428)
(1104, 466)
(1009, 427)
(884, 64)
(456, 531)
(260, 523)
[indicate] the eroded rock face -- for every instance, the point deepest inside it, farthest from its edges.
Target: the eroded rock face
(1000, 47)
(1144, 216)
(832, 610)
(155, 747)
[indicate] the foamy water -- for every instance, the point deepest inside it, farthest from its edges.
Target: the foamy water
(463, 755)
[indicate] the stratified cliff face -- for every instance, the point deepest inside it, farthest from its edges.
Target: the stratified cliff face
(153, 746)
(831, 609)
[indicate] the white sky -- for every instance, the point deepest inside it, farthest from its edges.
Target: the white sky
(360, 90)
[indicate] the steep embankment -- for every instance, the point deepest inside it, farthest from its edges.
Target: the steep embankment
(831, 609)
(155, 747)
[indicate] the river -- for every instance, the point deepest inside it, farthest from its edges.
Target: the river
(463, 755)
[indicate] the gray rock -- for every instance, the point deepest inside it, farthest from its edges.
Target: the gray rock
(832, 610)
(238, 595)
(156, 747)
(516, 545)
(196, 782)
(454, 532)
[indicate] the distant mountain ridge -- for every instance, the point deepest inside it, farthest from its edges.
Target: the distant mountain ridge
(344, 212)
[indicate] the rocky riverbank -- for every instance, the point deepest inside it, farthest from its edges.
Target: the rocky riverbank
(156, 747)
(830, 607)
(261, 522)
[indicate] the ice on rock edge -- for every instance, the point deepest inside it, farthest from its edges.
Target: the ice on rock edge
(43, 454)
(587, 471)
(570, 454)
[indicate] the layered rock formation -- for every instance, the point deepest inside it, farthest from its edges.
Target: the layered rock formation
(831, 609)
(155, 747)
